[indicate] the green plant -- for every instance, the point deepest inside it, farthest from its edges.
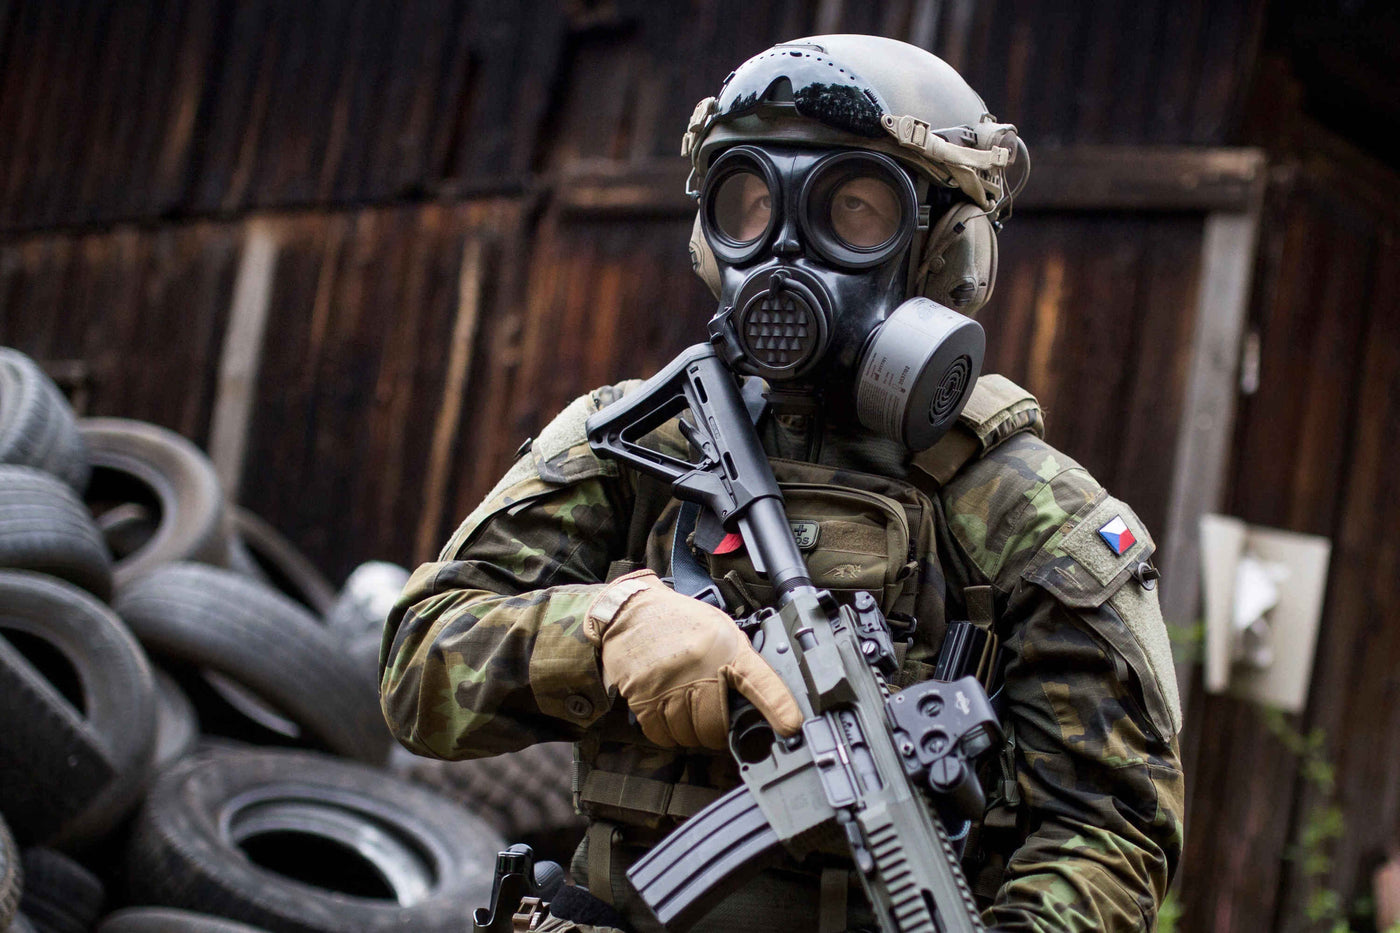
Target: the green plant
(1322, 823)
(1188, 641)
(1169, 915)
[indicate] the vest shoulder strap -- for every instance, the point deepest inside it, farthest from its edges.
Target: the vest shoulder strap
(997, 409)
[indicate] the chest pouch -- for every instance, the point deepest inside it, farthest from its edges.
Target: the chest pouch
(855, 537)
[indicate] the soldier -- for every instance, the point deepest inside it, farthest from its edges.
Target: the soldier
(837, 176)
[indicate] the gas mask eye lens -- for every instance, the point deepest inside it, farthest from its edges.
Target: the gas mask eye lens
(743, 206)
(857, 209)
(864, 212)
(740, 204)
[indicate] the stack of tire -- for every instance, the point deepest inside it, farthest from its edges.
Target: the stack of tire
(190, 737)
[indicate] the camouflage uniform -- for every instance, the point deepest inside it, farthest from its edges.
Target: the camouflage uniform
(484, 654)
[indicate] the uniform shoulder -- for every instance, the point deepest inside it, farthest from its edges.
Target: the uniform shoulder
(1007, 504)
(997, 409)
(558, 456)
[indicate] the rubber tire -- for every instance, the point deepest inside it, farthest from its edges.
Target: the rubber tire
(60, 896)
(177, 725)
(45, 527)
(194, 524)
(524, 795)
(126, 528)
(216, 619)
(365, 599)
(119, 696)
(37, 427)
(262, 550)
(61, 763)
(182, 853)
(11, 876)
(169, 920)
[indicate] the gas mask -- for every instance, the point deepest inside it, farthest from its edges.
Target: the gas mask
(811, 253)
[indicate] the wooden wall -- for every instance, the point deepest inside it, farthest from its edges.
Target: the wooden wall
(156, 109)
(1313, 453)
(138, 142)
(473, 213)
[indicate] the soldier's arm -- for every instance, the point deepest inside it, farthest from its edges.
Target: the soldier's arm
(483, 652)
(1089, 695)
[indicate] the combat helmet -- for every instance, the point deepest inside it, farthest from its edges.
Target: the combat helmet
(880, 94)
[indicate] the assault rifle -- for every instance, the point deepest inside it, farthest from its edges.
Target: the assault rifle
(870, 772)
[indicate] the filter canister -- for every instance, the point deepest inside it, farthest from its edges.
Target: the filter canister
(917, 372)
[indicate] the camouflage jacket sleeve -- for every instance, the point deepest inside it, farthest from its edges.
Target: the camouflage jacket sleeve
(483, 651)
(1089, 693)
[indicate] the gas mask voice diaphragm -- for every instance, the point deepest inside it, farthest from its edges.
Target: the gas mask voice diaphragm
(812, 248)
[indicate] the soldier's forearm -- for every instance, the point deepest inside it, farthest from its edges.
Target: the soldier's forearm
(468, 672)
(1080, 879)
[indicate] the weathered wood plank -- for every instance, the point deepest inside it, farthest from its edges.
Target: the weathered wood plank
(1202, 458)
(145, 310)
(1352, 428)
(454, 396)
(1081, 178)
(242, 354)
(159, 108)
(1291, 451)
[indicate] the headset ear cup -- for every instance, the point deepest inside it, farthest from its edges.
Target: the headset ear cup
(960, 259)
(702, 258)
(988, 250)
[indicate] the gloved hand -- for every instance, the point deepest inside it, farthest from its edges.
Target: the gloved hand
(674, 659)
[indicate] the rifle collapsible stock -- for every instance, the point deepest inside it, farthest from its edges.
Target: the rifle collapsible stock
(872, 774)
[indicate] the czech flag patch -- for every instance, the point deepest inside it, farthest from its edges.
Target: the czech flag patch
(1117, 535)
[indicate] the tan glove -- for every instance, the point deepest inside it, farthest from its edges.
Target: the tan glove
(674, 659)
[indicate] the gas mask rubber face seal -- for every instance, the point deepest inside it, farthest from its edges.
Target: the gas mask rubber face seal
(812, 249)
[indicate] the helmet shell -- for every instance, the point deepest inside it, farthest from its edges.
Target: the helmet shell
(907, 79)
(879, 94)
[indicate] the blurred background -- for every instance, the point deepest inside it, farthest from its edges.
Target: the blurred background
(360, 251)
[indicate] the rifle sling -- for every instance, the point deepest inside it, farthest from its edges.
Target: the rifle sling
(619, 791)
(602, 839)
(689, 578)
(831, 912)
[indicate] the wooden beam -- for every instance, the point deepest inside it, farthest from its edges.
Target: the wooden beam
(829, 15)
(650, 188)
(449, 413)
(1202, 457)
(1077, 178)
(242, 354)
(1141, 178)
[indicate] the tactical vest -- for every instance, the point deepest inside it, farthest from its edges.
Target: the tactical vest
(858, 532)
